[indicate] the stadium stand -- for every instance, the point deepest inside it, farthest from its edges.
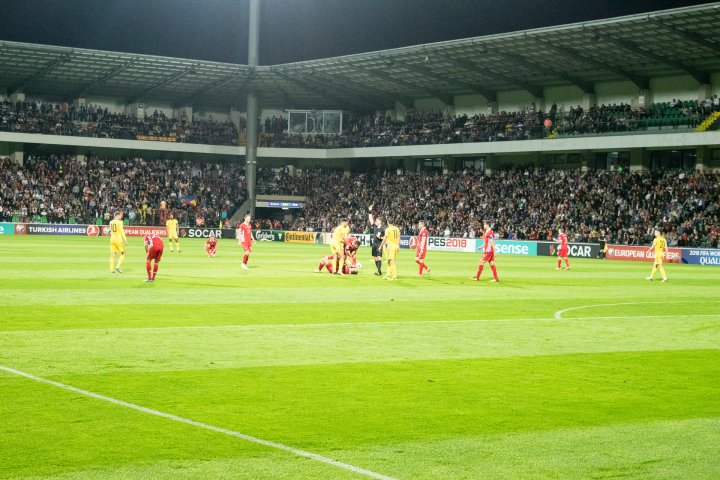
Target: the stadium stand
(34, 116)
(61, 189)
(522, 203)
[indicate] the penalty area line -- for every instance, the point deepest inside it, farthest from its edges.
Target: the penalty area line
(187, 421)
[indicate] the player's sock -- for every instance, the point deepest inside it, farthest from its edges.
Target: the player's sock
(494, 270)
(378, 264)
(425, 266)
(479, 272)
(567, 262)
(112, 263)
(662, 272)
(419, 262)
(559, 262)
(120, 262)
(321, 266)
(148, 267)
(654, 271)
(245, 259)
(155, 269)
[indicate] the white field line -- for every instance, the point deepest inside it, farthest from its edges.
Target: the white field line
(346, 324)
(187, 421)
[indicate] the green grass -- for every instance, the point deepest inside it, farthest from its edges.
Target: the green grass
(422, 378)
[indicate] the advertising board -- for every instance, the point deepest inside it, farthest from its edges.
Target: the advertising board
(640, 254)
(701, 256)
(510, 247)
(580, 250)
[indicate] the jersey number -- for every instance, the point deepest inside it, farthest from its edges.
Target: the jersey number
(113, 227)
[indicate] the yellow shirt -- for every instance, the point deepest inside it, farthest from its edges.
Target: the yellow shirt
(117, 234)
(340, 234)
(172, 227)
(660, 245)
(392, 233)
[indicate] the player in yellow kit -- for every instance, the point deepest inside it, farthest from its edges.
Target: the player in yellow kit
(392, 240)
(337, 245)
(660, 246)
(172, 232)
(118, 242)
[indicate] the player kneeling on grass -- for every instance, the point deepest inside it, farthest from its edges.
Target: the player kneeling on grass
(211, 246)
(154, 247)
(660, 246)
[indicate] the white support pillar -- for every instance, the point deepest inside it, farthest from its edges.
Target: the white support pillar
(492, 107)
(186, 113)
(704, 92)
(589, 100)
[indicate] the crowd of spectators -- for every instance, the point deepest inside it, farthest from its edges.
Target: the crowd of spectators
(623, 118)
(529, 203)
(378, 130)
(60, 189)
(437, 127)
(29, 116)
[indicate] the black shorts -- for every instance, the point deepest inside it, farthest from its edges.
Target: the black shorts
(376, 250)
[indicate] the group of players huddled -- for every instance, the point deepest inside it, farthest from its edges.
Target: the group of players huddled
(343, 248)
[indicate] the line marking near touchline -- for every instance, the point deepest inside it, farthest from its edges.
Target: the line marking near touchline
(187, 421)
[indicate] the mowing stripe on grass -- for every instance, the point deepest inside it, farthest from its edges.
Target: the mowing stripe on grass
(232, 433)
(251, 326)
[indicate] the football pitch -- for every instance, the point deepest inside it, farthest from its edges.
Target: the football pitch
(281, 373)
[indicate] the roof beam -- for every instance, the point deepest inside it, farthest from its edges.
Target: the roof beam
(346, 82)
(489, 95)
(444, 97)
(47, 68)
(103, 78)
(534, 90)
(314, 89)
(204, 91)
(364, 98)
(693, 37)
(586, 87)
(640, 81)
(699, 75)
(161, 83)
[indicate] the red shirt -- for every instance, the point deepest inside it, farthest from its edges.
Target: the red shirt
(423, 237)
(245, 233)
(153, 241)
(211, 242)
(489, 244)
(563, 240)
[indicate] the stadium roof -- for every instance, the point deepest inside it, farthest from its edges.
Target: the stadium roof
(634, 48)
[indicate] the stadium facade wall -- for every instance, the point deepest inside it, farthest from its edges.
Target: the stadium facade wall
(616, 92)
(666, 89)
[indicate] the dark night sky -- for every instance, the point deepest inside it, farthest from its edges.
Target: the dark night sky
(291, 30)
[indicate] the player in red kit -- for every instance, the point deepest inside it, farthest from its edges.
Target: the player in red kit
(326, 262)
(488, 253)
(422, 245)
(563, 249)
(154, 247)
(211, 246)
(245, 239)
